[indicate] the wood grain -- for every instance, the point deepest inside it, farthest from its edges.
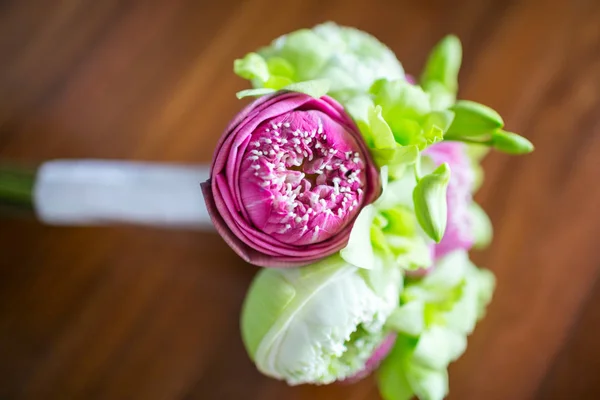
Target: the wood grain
(141, 313)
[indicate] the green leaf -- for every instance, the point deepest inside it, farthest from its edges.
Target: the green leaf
(316, 88)
(254, 92)
(473, 119)
(511, 143)
(482, 226)
(443, 64)
(429, 198)
(428, 384)
(252, 66)
(408, 318)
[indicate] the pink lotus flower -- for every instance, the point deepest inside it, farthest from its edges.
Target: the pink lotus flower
(459, 229)
(289, 176)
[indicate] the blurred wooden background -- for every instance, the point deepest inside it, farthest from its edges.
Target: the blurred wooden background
(140, 313)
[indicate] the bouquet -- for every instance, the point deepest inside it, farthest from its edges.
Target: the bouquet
(351, 183)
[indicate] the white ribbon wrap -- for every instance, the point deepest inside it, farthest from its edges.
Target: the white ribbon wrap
(87, 192)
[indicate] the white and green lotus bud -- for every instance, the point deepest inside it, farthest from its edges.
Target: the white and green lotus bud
(436, 315)
(320, 323)
(350, 59)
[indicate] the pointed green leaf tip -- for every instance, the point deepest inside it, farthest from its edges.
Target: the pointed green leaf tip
(429, 199)
(473, 119)
(443, 65)
(511, 143)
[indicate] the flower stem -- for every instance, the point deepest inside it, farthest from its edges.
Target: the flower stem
(16, 188)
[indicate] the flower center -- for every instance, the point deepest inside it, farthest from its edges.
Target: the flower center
(302, 177)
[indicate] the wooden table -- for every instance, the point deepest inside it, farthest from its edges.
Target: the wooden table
(141, 313)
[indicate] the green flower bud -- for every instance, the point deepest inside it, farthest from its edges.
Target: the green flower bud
(473, 119)
(319, 323)
(429, 199)
(511, 143)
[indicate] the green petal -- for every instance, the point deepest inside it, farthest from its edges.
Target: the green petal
(429, 198)
(252, 66)
(359, 250)
(400, 221)
(306, 51)
(441, 119)
(382, 135)
(487, 284)
(270, 296)
(473, 119)
(316, 88)
(438, 347)
(448, 273)
(281, 67)
(408, 319)
(254, 92)
(401, 101)
(278, 82)
(511, 143)
(441, 98)
(482, 226)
